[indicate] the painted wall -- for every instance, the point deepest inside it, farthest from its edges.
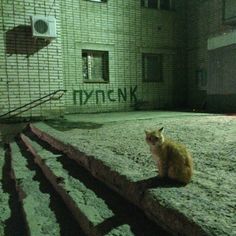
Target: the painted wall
(211, 77)
(126, 30)
(29, 69)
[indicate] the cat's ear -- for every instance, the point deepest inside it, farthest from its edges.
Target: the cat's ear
(147, 132)
(161, 129)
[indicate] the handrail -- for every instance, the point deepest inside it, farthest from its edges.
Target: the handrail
(50, 95)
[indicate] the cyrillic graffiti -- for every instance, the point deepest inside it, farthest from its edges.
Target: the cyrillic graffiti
(102, 96)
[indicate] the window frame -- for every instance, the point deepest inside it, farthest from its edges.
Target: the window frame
(228, 20)
(201, 78)
(160, 78)
(105, 63)
(144, 4)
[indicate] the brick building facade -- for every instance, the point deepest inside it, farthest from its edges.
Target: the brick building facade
(113, 56)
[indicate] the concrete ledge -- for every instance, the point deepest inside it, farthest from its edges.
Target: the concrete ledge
(4, 197)
(35, 204)
(98, 210)
(134, 187)
(85, 223)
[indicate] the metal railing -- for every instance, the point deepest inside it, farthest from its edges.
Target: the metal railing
(56, 95)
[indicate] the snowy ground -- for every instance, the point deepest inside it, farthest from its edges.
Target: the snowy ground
(210, 199)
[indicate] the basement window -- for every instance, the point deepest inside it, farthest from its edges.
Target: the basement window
(159, 4)
(152, 67)
(95, 66)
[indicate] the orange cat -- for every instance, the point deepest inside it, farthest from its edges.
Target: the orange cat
(173, 159)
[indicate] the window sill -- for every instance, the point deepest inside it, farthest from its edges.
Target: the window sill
(95, 81)
(153, 81)
(158, 9)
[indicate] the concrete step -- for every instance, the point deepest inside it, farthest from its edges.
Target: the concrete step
(127, 178)
(44, 213)
(97, 209)
(11, 217)
(36, 204)
(4, 196)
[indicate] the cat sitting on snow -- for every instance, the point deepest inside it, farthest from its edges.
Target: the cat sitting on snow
(173, 159)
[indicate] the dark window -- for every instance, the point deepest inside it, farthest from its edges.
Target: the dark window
(150, 3)
(229, 11)
(152, 67)
(95, 66)
(165, 4)
(159, 4)
(201, 78)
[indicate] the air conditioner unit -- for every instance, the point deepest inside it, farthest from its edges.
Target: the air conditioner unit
(43, 26)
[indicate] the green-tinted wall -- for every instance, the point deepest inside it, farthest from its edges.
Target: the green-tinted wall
(29, 69)
(126, 30)
(32, 68)
(215, 88)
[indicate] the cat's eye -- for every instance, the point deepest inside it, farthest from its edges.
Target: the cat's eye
(153, 139)
(156, 138)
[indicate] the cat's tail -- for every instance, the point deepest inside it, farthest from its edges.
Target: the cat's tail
(188, 175)
(183, 173)
(188, 171)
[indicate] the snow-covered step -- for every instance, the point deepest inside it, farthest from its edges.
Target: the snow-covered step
(39, 217)
(98, 210)
(4, 197)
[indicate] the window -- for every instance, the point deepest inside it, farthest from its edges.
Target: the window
(229, 11)
(149, 3)
(159, 4)
(201, 78)
(95, 66)
(97, 0)
(152, 67)
(165, 5)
